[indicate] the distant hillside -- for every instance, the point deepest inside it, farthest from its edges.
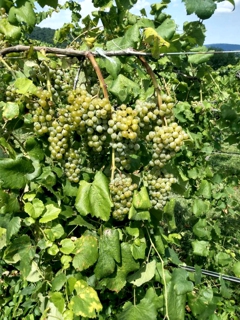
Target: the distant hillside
(43, 34)
(225, 46)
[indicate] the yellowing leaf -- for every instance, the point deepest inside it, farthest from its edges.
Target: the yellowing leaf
(86, 303)
(155, 41)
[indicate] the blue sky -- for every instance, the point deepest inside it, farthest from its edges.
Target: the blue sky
(222, 27)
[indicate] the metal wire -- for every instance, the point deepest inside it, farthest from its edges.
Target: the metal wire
(212, 274)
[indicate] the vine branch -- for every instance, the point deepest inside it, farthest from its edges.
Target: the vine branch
(79, 53)
(103, 85)
(154, 79)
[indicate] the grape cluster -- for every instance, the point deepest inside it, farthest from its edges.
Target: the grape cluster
(164, 142)
(123, 129)
(159, 187)
(72, 165)
(121, 190)
(89, 116)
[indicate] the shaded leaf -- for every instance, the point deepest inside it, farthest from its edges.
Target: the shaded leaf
(13, 172)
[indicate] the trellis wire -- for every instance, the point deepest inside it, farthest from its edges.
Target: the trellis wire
(212, 274)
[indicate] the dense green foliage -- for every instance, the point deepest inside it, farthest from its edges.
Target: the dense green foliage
(222, 59)
(108, 186)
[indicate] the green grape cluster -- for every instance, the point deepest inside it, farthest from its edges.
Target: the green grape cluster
(123, 128)
(62, 81)
(166, 106)
(121, 190)
(72, 165)
(148, 113)
(165, 141)
(42, 111)
(159, 187)
(89, 116)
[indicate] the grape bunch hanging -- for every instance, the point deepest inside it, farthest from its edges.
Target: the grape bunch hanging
(85, 130)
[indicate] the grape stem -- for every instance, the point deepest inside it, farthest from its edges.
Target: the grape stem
(154, 79)
(103, 85)
(113, 167)
(7, 66)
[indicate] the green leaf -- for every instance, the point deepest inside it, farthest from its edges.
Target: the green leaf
(17, 249)
(67, 246)
(10, 110)
(143, 275)
(223, 259)
(59, 281)
(199, 58)
(201, 248)
(141, 199)
(24, 14)
(203, 9)
(34, 209)
(200, 207)
(35, 274)
(94, 198)
(201, 303)
(3, 237)
(79, 221)
(86, 303)
(13, 227)
(176, 294)
(52, 212)
(117, 281)
(25, 86)
(167, 29)
(145, 310)
(53, 249)
(13, 172)
(11, 32)
(57, 299)
(204, 189)
(52, 3)
(109, 252)
(236, 269)
(202, 230)
(138, 215)
(86, 252)
(34, 149)
(122, 88)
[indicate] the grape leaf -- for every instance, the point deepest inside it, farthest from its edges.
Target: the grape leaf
(52, 212)
(145, 310)
(11, 32)
(86, 303)
(13, 172)
(23, 13)
(94, 198)
(109, 252)
(10, 110)
(51, 3)
(143, 275)
(203, 9)
(86, 252)
(118, 280)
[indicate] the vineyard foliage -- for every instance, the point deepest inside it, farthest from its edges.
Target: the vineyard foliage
(107, 187)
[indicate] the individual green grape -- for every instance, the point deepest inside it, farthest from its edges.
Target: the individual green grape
(121, 190)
